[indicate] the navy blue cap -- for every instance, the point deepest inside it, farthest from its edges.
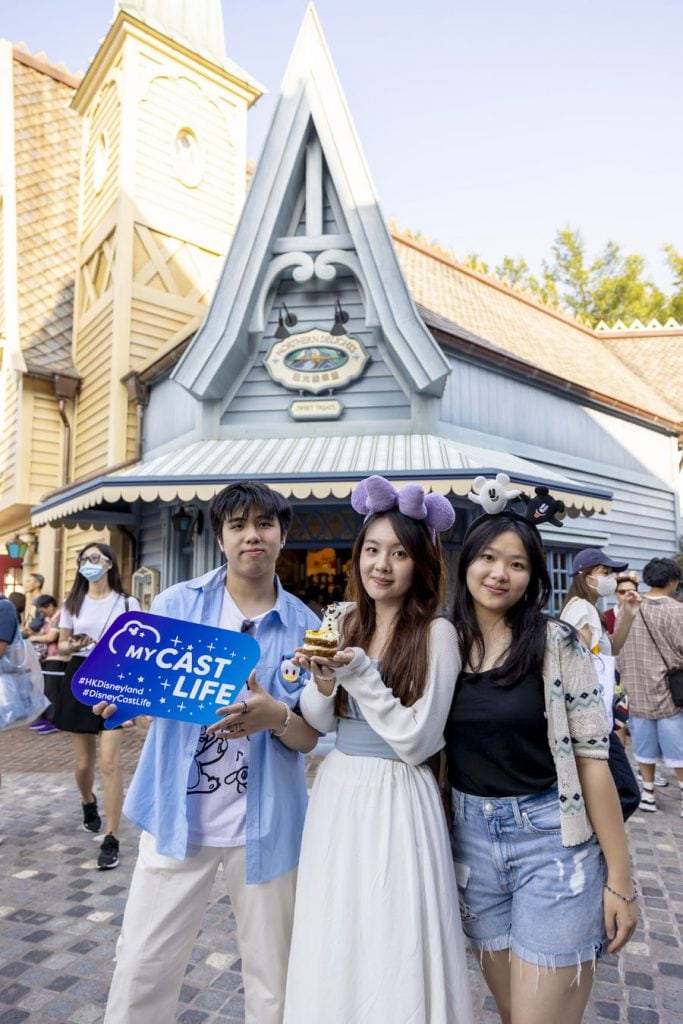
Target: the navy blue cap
(590, 557)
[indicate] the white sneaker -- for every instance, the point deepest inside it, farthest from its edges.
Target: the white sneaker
(647, 801)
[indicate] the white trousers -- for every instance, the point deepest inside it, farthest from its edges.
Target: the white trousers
(164, 912)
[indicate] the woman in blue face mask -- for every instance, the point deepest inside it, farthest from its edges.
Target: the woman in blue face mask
(97, 597)
(594, 576)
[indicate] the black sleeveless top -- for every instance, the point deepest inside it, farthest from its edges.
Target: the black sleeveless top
(497, 737)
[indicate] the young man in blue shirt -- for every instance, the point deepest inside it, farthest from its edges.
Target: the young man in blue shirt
(233, 794)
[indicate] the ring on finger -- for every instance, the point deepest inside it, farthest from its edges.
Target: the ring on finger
(245, 706)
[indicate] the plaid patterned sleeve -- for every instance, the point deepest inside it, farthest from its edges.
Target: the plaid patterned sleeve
(642, 668)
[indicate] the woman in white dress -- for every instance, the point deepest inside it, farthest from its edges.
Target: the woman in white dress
(377, 936)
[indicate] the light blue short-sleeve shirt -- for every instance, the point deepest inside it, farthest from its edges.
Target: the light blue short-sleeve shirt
(276, 794)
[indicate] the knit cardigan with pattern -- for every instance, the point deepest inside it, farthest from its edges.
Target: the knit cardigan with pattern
(577, 724)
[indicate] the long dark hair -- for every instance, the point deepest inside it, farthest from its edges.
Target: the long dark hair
(406, 654)
(525, 619)
(80, 585)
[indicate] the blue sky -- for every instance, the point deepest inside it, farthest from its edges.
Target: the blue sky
(488, 124)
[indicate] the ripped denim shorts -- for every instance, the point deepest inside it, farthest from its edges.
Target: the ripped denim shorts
(520, 888)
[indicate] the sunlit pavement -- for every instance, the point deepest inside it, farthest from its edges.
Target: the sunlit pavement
(60, 916)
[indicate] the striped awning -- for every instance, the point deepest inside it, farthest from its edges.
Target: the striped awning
(311, 468)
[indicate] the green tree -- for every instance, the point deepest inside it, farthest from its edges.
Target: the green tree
(473, 260)
(518, 274)
(675, 261)
(613, 286)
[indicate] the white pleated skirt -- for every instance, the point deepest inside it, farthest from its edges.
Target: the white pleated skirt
(377, 936)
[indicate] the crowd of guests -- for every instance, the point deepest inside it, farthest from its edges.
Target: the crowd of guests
(469, 795)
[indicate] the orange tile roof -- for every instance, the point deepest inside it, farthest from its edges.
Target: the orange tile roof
(47, 154)
(512, 324)
(656, 356)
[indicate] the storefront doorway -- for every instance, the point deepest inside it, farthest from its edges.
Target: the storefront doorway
(315, 575)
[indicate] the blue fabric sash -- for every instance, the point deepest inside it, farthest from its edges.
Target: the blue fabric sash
(357, 738)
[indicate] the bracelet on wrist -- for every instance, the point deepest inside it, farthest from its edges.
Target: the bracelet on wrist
(626, 899)
(288, 715)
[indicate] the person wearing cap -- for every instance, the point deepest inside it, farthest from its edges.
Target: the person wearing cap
(594, 575)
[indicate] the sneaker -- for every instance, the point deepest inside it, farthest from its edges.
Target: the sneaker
(660, 780)
(91, 819)
(647, 801)
(109, 853)
(45, 728)
(37, 726)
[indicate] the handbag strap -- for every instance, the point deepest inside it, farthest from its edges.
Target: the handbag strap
(111, 612)
(668, 667)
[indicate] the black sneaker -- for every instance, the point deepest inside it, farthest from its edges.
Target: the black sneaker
(91, 819)
(109, 853)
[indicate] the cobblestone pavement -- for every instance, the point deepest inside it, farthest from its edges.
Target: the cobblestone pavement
(59, 916)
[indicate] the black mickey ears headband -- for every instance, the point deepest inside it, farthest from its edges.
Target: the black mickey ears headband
(494, 497)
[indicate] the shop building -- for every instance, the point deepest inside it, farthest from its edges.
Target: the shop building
(287, 333)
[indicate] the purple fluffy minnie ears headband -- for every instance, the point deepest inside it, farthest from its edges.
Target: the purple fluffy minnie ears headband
(376, 495)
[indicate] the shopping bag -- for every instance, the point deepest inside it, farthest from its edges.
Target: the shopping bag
(605, 666)
(22, 697)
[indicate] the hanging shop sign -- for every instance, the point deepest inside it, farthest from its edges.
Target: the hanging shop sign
(316, 409)
(316, 361)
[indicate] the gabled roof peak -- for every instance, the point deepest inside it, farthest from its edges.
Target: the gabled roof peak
(311, 151)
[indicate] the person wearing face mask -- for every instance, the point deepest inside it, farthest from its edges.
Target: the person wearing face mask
(594, 575)
(96, 599)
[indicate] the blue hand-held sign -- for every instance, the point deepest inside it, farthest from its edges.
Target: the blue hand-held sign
(150, 665)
